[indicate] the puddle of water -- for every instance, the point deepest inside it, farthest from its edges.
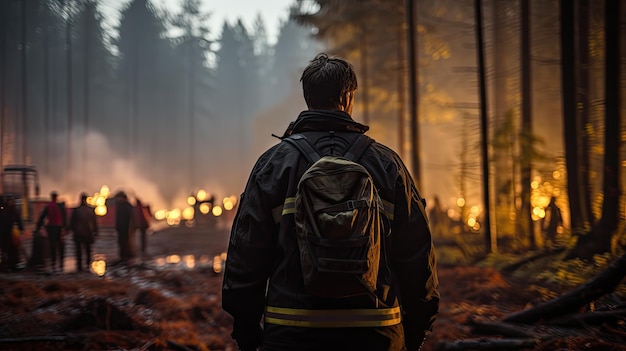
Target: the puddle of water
(100, 263)
(105, 253)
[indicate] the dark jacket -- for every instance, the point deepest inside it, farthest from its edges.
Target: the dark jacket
(83, 223)
(263, 265)
(9, 216)
(125, 221)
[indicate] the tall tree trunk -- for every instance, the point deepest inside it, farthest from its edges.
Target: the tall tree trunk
(24, 87)
(3, 80)
(504, 166)
(525, 222)
(46, 86)
(364, 72)
(413, 90)
(192, 112)
(401, 80)
(571, 127)
(490, 242)
(86, 86)
(134, 74)
(69, 85)
(584, 108)
(612, 120)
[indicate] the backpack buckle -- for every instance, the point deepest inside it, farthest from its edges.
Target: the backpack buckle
(351, 205)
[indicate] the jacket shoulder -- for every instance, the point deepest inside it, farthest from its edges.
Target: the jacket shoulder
(278, 154)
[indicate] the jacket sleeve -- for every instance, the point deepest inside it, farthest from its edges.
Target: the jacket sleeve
(415, 263)
(248, 264)
(94, 222)
(18, 221)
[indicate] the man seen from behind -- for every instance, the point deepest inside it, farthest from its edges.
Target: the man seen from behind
(84, 227)
(263, 273)
(54, 218)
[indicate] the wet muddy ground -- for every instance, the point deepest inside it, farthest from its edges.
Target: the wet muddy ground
(170, 300)
(164, 300)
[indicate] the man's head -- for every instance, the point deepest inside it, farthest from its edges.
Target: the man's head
(329, 83)
(83, 198)
(121, 196)
(54, 195)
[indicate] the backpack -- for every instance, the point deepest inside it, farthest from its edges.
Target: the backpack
(338, 222)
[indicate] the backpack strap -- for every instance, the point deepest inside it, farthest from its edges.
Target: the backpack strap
(354, 152)
(304, 146)
(358, 147)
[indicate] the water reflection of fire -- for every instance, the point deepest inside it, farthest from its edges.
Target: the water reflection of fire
(99, 265)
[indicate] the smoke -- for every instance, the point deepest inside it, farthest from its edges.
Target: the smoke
(94, 164)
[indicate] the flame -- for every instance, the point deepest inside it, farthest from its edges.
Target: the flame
(191, 200)
(205, 208)
(217, 211)
(159, 215)
(188, 213)
(201, 195)
(460, 202)
(228, 204)
(104, 191)
(100, 210)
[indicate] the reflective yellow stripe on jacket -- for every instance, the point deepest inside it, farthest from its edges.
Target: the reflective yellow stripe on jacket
(333, 318)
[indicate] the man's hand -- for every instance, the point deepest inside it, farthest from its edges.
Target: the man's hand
(42, 233)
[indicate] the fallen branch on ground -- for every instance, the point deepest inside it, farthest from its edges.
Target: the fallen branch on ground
(43, 338)
(541, 254)
(571, 302)
(480, 327)
(590, 318)
(487, 344)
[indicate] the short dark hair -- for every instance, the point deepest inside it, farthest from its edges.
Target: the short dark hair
(326, 80)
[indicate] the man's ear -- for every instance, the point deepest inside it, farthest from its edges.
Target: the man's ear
(346, 101)
(349, 102)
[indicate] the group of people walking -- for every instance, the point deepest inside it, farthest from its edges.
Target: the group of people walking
(53, 226)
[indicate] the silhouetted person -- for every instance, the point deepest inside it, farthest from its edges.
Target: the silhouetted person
(438, 219)
(551, 222)
(54, 218)
(125, 225)
(9, 217)
(143, 214)
(84, 227)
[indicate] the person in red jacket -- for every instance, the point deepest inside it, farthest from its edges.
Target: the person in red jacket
(54, 218)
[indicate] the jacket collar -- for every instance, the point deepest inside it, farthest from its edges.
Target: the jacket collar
(324, 120)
